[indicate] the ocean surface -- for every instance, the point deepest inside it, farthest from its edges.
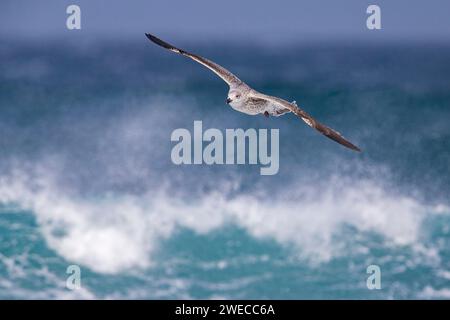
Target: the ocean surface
(86, 176)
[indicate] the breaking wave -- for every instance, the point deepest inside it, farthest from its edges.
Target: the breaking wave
(88, 157)
(114, 233)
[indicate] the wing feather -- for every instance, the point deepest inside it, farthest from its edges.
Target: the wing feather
(223, 73)
(310, 121)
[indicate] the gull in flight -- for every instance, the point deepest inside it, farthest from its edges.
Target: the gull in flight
(247, 100)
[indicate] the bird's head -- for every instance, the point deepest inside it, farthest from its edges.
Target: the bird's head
(234, 97)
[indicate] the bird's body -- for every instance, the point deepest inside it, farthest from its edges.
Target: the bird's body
(243, 98)
(254, 102)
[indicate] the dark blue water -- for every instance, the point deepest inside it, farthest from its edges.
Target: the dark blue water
(86, 176)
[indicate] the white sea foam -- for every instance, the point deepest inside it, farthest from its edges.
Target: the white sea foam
(18, 269)
(431, 293)
(122, 232)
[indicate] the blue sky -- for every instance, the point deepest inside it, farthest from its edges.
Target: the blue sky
(261, 20)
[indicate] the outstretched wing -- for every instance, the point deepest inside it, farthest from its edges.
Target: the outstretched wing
(310, 121)
(226, 75)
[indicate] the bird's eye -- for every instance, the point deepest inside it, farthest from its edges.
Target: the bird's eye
(238, 96)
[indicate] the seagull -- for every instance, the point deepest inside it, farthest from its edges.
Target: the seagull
(243, 98)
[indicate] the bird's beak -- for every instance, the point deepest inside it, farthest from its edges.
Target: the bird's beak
(229, 100)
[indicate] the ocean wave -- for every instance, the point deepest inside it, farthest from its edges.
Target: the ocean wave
(116, 233)
(88, 157)
(431, 293)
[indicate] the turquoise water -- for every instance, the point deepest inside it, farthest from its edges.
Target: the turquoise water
(86, 176)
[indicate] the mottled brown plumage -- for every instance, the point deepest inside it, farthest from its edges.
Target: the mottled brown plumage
(247, 100)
